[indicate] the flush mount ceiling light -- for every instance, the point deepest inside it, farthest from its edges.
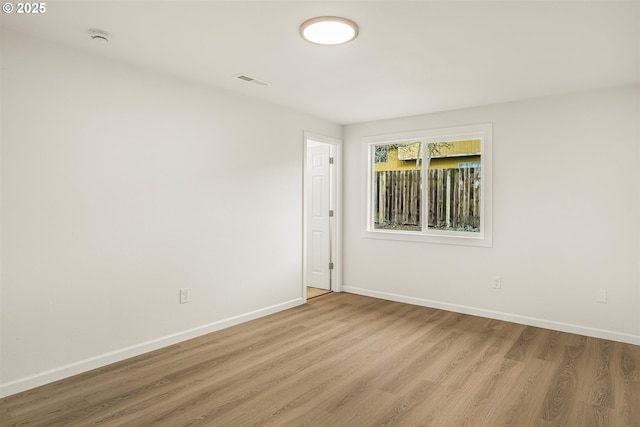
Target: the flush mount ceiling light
(329, 30)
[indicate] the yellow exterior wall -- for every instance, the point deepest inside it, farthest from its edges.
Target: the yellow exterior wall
(461, 147)
(457, 152)
(394, 164)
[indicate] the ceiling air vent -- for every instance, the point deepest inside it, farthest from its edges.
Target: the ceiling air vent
(252, 80)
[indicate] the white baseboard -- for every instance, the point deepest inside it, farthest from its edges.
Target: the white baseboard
(42, 378)
(508, 317)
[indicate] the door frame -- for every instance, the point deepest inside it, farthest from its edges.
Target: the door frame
(336, 199)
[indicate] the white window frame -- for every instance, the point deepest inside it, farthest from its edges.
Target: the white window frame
(484, 238)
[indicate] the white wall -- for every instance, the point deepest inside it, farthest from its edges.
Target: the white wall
(566, 216)
(120, 186)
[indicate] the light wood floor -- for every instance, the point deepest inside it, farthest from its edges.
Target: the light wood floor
(348, 360)
(315, 292)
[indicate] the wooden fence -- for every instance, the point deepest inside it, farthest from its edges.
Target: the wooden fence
(454, 199)
(397, 197)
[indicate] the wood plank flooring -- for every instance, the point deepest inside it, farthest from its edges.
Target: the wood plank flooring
(316, 292)
(349, 360)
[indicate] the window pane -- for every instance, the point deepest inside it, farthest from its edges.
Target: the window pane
(397, 183)
(454, 185)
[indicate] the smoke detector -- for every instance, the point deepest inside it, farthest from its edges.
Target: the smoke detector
(99, 35)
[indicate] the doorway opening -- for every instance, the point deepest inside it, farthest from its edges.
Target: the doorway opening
(322, 216)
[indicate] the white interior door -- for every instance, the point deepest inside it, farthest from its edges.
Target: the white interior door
(318, 218)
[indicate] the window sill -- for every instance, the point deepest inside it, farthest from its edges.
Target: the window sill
(444, 237)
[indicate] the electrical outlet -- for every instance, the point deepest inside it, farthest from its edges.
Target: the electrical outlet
(184, 295)
(496, 282)
(602, 297)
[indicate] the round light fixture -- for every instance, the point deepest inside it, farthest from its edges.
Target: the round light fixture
(329, 30)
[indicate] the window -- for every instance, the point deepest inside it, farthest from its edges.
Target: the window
(430, 186)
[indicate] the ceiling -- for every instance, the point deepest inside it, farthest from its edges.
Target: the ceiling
(411, 57)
